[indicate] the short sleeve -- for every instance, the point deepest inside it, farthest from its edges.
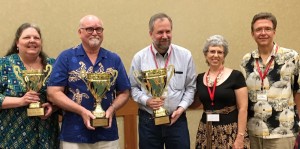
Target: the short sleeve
(239, 80)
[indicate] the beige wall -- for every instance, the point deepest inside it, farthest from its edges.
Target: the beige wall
(126, 30)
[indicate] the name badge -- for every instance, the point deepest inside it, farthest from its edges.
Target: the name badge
(213, 117)
(261, 96)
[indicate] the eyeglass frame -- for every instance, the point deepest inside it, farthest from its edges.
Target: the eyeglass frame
(90, 31)
(264, 29)
(213, 52)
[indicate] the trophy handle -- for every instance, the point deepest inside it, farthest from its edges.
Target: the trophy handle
(172, 68)
(48, 70)
(89, 88)
(136, 75)
(18, 72)
(114, 74)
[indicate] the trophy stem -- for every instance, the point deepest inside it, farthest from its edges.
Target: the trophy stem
(35, 105)
(101, 120)
(35, 109)
(160, 112)
(99, 112)
(161, 116)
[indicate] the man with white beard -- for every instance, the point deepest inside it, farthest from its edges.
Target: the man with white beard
(68, 89)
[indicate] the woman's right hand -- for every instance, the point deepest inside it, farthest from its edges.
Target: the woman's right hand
(30, 97)
(239, 142)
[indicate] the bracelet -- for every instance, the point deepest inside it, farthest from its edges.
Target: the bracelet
(241, 134)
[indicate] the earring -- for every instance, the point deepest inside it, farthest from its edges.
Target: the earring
(17, 48)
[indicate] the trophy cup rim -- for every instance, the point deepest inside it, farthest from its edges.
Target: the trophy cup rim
(155, 72)
(33, 72)
(98, 76)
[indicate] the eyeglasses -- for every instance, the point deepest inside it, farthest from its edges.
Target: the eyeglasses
(90, 30)
(261, 29)
(213, 52)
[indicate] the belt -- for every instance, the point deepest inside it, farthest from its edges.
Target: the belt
(143, 113)
(225, 110)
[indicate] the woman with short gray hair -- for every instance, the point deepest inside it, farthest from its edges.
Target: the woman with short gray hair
(223, 93)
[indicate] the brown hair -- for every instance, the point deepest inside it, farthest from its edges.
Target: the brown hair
(158, 16)
(264, 15)
(14, 49)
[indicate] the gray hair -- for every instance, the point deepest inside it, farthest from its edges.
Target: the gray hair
(216, 40)
(158, 16)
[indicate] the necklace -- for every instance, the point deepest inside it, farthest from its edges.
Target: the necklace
(210, 81)
(213, 84)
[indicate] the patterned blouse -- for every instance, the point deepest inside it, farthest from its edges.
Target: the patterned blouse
(274, 116)
(17, 130)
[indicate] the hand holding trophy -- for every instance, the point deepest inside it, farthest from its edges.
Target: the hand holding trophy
(99, 84)
(33, 80)
(155, 82)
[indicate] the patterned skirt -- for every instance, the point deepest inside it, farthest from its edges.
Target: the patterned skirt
(218, 136)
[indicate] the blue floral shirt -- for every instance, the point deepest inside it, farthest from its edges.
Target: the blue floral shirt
(70, 71)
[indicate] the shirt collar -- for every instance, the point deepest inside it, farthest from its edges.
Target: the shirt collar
(80, 51)
(255, 53)
(156, 52)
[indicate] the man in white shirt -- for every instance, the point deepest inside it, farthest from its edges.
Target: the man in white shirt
(180, 91)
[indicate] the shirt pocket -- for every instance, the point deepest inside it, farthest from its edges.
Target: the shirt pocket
(178, 79)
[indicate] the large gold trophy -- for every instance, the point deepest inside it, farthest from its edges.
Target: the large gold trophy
(33, 80)
(99, 84)
(155, 82)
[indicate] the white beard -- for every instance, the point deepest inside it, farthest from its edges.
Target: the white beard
(94, 42)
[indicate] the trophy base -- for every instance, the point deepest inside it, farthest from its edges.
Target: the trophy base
(35, 112)
(100, 122)
(162, 120)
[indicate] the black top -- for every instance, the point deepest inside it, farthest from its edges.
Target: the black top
(224, 96)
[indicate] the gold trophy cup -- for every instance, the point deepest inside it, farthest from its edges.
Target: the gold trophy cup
(33, 80)
(99, 84)
(155, 82)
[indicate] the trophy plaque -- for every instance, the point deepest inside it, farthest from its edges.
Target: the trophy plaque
(33, 80)
(155, 82)
(99, 84)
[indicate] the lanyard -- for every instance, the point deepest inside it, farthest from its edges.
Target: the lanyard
(154, 57)
(212, 92)
(263, 75)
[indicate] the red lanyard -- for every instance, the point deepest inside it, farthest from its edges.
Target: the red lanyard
(212, 92)
(263, 75)
(154, 57)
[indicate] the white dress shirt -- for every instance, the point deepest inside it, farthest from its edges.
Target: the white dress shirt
(181, 88)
